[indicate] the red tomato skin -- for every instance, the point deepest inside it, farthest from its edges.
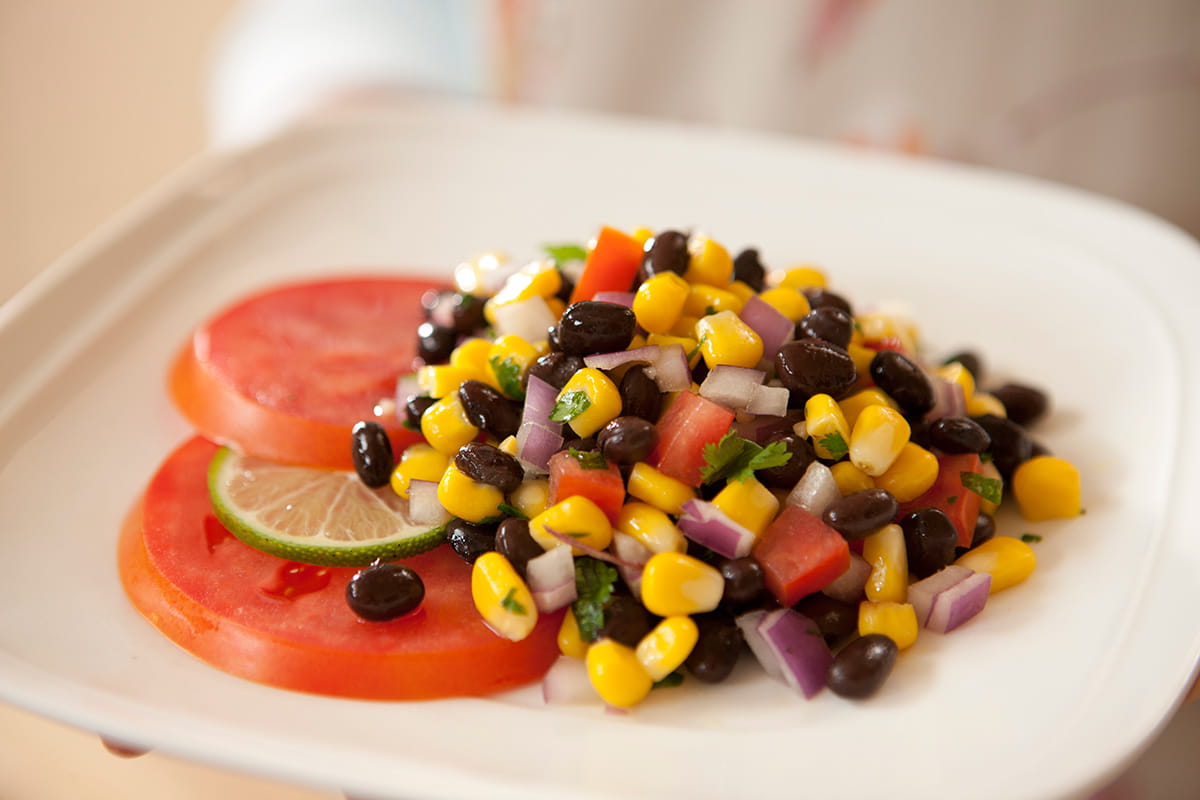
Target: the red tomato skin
(690, 423)
(800, 555)
(610, 266)
(949, 494)
(217, 598)
(286, 373)
(604, 487)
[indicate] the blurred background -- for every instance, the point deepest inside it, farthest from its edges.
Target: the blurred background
(100, 100)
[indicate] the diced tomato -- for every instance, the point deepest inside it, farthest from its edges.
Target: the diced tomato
(800, 555)
(949, 494)
(690, 423)
(603, 486)
(285, 374)
(288, 625)
(610, 266)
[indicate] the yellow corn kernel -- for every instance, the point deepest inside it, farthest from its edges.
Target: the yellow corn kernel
(787, 301)
(576, 517)
(651, 527)
(862, 357)
(748, 503)
(981, 403)
(472, 357)
(710, 262)
(570, 641)
(439, 380)
(988, 470)
(445, 425)
(911, 475)
(823, 417)
(659, 301)
(853, 405)
(510, 356)
(418, 462)
(676, 584)
(532, 497)
(661, 491)
(897, 621)
(508, 445)
(642, 235)
(725, 339)
(637, 341)
(703, 300)
(884, 550)
(1047, 487)
(805, 277)
(954, 372)
(588, 402)
(850, 479)
(742, 290)
(539, 279)
(1008, 560)
(556, 306)
(685, 326)
(664, 649)
(467, 498)
(502, 598)
(689, 345)
(877, 438)
(616, 674)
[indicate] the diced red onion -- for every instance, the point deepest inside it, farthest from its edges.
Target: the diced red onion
(849, 586)
(815, 490)
(618, 298)
(707, 525)
(635, 555)
(949, 400)
(423, 505)
(771, 401)
(922, 593)
(540, 398)
(648, 354)
(670, 370)
(732, 386)
(551, 579)
(959, 603)
(748, 624)
(535, 444)
(798, 647)
(763, 429)
(772, 327)
(406, 389)
(587, 549)
(567, 683)
(531, 319)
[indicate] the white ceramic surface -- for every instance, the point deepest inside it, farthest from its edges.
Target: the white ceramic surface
(1053, 689)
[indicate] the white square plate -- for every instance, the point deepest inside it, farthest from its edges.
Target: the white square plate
(1054, 688)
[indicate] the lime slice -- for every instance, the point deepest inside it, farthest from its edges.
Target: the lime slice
(317, 516)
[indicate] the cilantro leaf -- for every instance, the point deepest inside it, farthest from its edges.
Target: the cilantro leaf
(508, 375)
(570, 406)
(562, 253)
(672, 680)
(512, 511)
(1029, 538)
(834, 444)
(989, 489)
(696, 349)
(718, 457)
(734, 458)
(594, 584)
(510, 603)
(588, 459)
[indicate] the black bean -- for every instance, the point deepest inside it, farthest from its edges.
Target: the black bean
(821, 298)
(556, 368)
(834, 618)
(1011, 446)
(435, 343)
(903, 381)
(861, 513)
(414, 408)
(971, 361)
(861, 667)
(640, 396)
(470, 539)
(1023, 404)
(748, 269)
(666, 252)
(958, 435)
(717, 649)
(985, 528)
(384, 591)
(458, 310)
(930, 539)
(514, 542)
(787, 475)
(814, 366)
(371, 452)
(587, 444)
(591, 326)
(566, 289)
(489, 410)
(627, 440)
(488, 464)
(826, 322)
(744, 581)
(919, 433)
(625, 620)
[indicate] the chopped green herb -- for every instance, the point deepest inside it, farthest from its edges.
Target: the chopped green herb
(835, 444)
(588, 459)
(734, 458)
(508, 375)
(952, 499)
(990, 489)
(1029, 538)
(708, 310)
(669, 682)
(510, 603)
(570, 406)
(985, 457)
(562, 253)
(696, 349)
(1082, 511)
(512, 511)
(594, 584)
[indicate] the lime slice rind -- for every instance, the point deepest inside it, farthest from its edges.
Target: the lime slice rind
(315, 516)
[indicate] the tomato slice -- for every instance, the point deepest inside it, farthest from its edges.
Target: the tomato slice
(610, 266)
(685, 428)
(286, 373)
(800, 555)
(604, 485)
(288, 625)
(948, 493)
